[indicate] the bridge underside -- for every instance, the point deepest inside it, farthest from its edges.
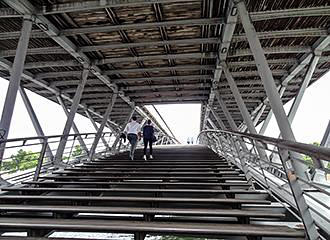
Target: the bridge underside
(162, 52)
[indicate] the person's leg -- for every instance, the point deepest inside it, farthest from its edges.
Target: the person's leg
(129, 138)
(150, 146)
(134, 143)
(145, 143)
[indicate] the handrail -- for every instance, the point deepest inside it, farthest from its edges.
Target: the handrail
(306, 186)
(308, 149)
(47, 137)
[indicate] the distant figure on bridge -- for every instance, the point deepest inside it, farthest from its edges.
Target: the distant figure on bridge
(148, 137)
(133, 131)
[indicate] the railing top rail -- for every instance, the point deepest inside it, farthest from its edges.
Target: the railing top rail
(46, 137)
(307, 149)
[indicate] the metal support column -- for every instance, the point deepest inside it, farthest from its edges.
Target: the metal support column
(224, 108)
(241, 105)
(15, 79)
(103, 123)
(96, 127)
(270, 114)
(233, 126)
(218, 119)
(73, 110)
(35, 121)
(292, 167)
(130, 115)
(74, 126)
(212, 124)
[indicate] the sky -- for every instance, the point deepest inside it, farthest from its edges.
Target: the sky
(308, 126)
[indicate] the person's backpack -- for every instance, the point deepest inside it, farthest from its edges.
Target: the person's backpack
(154, 139)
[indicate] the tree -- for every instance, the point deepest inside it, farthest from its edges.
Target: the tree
(309, 160)
(77, 151)
(22, 160)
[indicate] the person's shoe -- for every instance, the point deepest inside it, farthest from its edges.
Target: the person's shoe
(151, 157)
(145, 157)
(132, 157)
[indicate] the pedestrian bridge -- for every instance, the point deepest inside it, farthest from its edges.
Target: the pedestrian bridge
(109, 60)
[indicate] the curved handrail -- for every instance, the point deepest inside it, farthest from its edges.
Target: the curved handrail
(307, 149)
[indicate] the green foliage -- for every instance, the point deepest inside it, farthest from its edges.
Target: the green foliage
(309, 160)
(22, 160)
(77, 151)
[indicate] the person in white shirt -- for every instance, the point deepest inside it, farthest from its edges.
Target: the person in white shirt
(133, 132)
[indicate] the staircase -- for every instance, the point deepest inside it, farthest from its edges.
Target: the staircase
(184, 191)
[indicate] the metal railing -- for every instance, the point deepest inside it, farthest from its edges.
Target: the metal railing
(26, 158)
(273, 173)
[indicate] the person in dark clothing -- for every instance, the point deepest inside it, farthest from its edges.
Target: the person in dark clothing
(148, 135)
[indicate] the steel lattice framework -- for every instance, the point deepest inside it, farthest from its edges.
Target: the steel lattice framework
(158, 51)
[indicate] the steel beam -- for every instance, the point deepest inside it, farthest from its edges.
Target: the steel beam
(107, 47)
(184, 93)
(197, 55)
(292, 167)
(303, 87)
(293, 12)
(138, 26)
(70, 117)
(159, 69)
(74, 126)
(103, 124)
(169, 78)
(96, 127)
(218, 119)
(288, 33)
(243, 110)
(226, 37)
(317, 48)
(8, 13)
(51, 89)
(308, 76)
(35, 51)
(166, 86)
(15, 79)
(52, 31)
(95, 5)
(178, 99)
(35, 121)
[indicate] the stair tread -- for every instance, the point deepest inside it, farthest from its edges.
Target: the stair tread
(150, 227)
(137, 199)
(140, 210)
(237, 191)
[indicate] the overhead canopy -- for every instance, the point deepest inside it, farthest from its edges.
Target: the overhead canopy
(161, 51)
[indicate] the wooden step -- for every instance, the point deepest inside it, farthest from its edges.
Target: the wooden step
(134, 210)
(158, 169)
(134, 190)
(135, 173)
(108, 199)
(163, 178)
(145, 183)
(199, 229)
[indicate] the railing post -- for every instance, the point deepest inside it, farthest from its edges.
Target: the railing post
(73, 110)
(103, 123)
(15, 80)
(41, 159)
(293, 168)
